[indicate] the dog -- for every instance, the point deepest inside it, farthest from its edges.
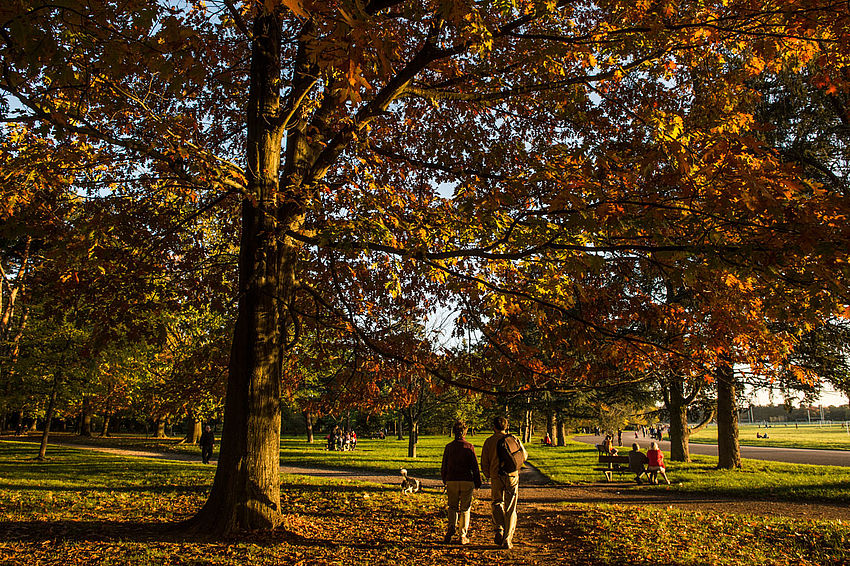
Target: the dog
(408, 484)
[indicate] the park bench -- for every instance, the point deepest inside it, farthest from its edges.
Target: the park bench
(613, 465)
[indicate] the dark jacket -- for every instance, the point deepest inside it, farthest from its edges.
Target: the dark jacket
(460, 463)
(637, 461)
(207, 438)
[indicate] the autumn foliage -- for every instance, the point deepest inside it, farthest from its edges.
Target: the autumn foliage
(587, 187)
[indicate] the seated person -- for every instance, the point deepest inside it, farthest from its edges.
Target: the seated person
(656, 463)
(637, 462)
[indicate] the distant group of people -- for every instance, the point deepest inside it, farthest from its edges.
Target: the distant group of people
(760, 435)
(341, 440)
(502, 456)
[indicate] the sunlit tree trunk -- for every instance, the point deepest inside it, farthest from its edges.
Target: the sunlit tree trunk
(160, 428)
(562, 431)
(107, 418)
(194, 427)
(308, 423)
(85, 417)
(245, 494)
(728, 450)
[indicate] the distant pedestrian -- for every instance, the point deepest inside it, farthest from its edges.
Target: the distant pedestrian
(207, 441)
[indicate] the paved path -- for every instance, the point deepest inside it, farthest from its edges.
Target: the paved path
(769, 453)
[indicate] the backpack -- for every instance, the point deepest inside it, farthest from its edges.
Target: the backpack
(510, 454)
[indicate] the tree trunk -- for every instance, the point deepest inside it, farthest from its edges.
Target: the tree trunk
(160, 428)
(527, 429)
(728, 451)
(85, 417)
(399, 429)
(562, 431)
(308, 423)
(550, 425)
(106, 419)
(412, 438)
(51, 407)
(679, 433)
(245, 494)
(194, 428)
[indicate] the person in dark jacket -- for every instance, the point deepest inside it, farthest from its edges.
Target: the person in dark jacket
(460, 474)
(207, 441)
(637, 462)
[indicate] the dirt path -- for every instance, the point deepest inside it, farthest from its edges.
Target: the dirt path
(539, 494)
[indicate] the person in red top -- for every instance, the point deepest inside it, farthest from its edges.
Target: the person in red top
(460, 474)
(656, 463)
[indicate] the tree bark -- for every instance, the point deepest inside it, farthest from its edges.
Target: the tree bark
(527, 429)
(728, 450)
(679, 433)
(308, 423)
(194, 428)
(562, 431)
(550, 425)
(245, 494)
(51, 407)
(107, 417)
(85, 417)
(160, 428)
(413, 437)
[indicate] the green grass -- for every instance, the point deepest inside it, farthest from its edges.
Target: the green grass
(574, 463)
(83, 507)
(826, 437)
(755, 480)
(385, 456)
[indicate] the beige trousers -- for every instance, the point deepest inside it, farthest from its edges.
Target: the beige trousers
(505, 493)
(460, 502)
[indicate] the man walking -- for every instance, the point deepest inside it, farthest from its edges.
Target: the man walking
(460, 474)
(206, 441)
(501, 459)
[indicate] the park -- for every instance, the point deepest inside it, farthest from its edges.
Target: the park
(120, 507)
(258, 257)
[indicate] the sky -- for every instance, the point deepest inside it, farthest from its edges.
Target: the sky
(828, 397)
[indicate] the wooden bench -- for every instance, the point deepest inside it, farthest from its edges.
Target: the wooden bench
(614, 465)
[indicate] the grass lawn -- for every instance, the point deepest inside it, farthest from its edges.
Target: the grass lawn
(388, 455)
(755, 480)
(573, 463)
(825, 437)
(83, 507)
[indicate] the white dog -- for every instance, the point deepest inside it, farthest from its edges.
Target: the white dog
(409, 485)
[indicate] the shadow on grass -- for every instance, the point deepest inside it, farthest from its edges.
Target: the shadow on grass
(89, 531)
(156, 489)
(825, 493)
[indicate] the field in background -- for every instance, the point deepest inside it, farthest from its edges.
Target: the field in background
(813, 436)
